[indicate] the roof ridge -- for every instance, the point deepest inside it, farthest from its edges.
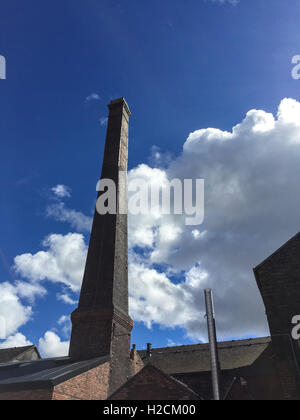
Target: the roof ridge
(275, 252)
(224, 344)
(160, 371)
(19, 347)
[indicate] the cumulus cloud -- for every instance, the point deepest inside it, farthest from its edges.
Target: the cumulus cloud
(144, 234)
(16, 340)
(13, 314)
(51, 345)
(62, 261)
(154, 298)
(251, 208)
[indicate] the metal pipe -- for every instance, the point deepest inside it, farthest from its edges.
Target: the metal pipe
(211, 326)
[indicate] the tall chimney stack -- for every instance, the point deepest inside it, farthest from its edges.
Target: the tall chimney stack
(101, 324)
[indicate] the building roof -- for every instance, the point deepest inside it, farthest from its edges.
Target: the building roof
(18, 353)
(196, 358)
(151, 383)
(274, 254)
(44, 373)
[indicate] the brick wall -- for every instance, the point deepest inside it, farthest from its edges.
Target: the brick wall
(153, 385)
(136, 362)
(34, 394)
(91, 385)
(120, 365)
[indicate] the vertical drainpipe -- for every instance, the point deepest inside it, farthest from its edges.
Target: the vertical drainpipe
(211, 326)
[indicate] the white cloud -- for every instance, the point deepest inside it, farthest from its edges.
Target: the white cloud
(51, 345)
(17, 340)
(63, 319)
(12, 311)
(60, 212)
(29, 291)
(198, 235)
(62, 261)
(65, 323)
(251, 208)
(64, 297)
(61, 191)
(158, 158)
(146, 229)
(154, 298)
(76, 219)
(93, 97)
(288, 115)
(171, 343)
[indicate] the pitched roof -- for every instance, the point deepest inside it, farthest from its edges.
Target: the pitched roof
(43, 373)
(11, 354)
(289, 242)
(151, 383)
(196, 358)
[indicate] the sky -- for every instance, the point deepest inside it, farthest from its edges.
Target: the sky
(210, 87)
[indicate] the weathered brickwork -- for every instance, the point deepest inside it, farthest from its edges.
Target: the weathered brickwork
(34, 394)
(101, 323)
(91, 385)
(136, 362)
(152, 384)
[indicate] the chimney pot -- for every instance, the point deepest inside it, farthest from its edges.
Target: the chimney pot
(149, 349)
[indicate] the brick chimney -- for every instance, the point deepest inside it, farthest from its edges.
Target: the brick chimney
(101, 324)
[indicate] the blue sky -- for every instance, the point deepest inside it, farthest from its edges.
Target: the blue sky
(182, 66)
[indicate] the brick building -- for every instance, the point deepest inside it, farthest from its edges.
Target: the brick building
(101, 365)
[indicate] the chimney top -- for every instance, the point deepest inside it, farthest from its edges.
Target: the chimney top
(132, 352)
(149, 349)
(120, 101)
